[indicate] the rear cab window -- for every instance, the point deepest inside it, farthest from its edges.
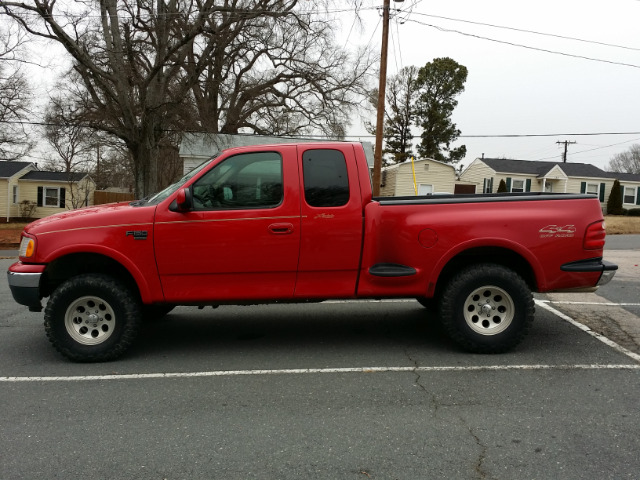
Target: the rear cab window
(326, 183)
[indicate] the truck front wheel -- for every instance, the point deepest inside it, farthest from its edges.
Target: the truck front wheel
(487, 308)
(92, 318)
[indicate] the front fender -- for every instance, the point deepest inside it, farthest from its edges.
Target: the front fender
(142, 270)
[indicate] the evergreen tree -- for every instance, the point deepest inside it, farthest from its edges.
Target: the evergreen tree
(439, 83)
(614, 204)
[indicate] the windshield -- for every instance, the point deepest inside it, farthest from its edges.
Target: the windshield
(162, 195)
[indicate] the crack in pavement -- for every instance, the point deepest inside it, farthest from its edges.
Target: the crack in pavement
(479, 464)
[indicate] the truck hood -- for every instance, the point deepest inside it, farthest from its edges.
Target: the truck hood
(110, 214)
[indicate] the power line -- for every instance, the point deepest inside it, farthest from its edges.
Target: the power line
(504, 135)
(522, 30)
(513, 44)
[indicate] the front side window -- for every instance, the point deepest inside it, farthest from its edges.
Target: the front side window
(326, 183)
(15, 194)
(517, 186)
(629, 195)
(250, 180)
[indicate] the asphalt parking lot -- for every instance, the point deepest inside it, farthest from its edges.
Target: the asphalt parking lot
(361, 390)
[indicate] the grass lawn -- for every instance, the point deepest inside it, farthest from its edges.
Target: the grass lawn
(618, 225)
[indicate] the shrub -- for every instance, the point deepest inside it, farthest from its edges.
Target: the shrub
(27, 209)
(614, 204)
(634, 212)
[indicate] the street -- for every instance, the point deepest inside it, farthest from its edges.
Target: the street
(360, 390)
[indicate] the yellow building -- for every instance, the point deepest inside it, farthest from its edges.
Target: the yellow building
(26, 192)
(431, 177)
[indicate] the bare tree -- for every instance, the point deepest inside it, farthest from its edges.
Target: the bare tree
(401, 94)
(139, 63)
(15, 98)
(128, 57)
(73, 144)
(278, 75)
(626, 162)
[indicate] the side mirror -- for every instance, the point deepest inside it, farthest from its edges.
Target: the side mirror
(183, 201)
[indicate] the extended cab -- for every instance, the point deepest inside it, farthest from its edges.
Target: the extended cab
(297, 222)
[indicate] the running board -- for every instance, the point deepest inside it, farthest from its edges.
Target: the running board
(391, 270)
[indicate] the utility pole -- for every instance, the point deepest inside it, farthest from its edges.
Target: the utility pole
(566, 144)
(377, 153)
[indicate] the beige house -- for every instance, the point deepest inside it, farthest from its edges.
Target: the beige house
(431, 177)
(25, 189)
(537, 176)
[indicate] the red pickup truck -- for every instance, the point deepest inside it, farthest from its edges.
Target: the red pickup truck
(297, 222)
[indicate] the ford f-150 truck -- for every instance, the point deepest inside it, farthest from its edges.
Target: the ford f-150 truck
(297, 223)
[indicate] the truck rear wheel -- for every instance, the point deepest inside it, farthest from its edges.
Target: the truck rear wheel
(487, 308)
(92, 318)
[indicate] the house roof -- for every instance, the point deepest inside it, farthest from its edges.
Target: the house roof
(422, 160)
(9, 169)
(624, 177)
(53, 176)
(540, 169)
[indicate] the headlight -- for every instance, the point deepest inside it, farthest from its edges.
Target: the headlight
(27, 247)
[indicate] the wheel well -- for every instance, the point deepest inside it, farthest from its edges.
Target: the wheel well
(75, 264)
(500, 256)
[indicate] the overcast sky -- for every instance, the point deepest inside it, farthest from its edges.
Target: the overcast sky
(513, 90)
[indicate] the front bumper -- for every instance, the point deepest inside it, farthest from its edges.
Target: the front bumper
(607, 269)
(24, 282)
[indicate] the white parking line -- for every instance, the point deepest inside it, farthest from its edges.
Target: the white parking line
(305, 371)
(361, 370)
(608, 304)
(586, 329)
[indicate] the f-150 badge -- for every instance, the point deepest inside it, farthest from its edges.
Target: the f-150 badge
(137, 234)
(557, 231)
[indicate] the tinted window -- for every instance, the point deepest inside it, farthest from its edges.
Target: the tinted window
(252, 180)
(325, 178)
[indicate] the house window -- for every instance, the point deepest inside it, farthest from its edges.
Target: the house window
(51, 197)
(15, 194)
(630, 195)
(517, 186)
(592, 189)
(424, 189)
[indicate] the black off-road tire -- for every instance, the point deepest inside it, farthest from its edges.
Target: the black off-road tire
(487, 308)
(92, 318)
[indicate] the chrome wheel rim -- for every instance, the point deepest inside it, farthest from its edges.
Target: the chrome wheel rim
(90, 320)
(489, 310)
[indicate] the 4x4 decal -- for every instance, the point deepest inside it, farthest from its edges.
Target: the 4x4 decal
(557, 231)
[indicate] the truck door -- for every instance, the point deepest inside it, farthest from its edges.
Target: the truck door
(332, 224)
(242, 238)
